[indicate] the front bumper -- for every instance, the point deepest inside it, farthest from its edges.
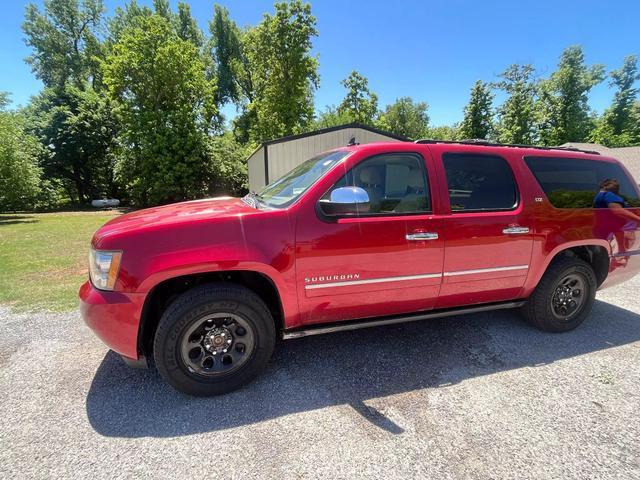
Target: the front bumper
(114, 317)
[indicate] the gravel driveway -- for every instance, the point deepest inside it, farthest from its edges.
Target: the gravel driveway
(481, 396)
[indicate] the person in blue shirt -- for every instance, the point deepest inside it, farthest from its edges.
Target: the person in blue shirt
(622, 225)
(609, 194)
(609, 197)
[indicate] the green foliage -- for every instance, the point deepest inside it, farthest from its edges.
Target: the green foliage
(579, 199)
(634, 131)
(162, 8)
(405, 117)
(619, 126)
(126, 17)
(187, 27)
(4, 100)
(283, 72)
(267, 70)
(445, 132)
(19, 174)
(78, 129)
(571, 199)
(64, 40)
(229, 165)
(226, 49)
(331, 117)
(360, 103)
(563, 109)
(624, 80)
(516, 115)
(478, 114)
(166, 108)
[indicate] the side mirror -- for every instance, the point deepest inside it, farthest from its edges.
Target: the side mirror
(346, 201)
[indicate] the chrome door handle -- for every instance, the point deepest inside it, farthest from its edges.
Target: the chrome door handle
(421, 236)
(515, 230)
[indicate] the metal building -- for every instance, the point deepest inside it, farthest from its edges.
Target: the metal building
(273, 159)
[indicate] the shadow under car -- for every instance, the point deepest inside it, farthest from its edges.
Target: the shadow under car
(348, 368)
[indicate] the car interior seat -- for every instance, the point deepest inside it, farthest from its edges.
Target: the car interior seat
(415, 198)
(371, 182)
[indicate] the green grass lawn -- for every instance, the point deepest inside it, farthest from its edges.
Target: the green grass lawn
(43, 258)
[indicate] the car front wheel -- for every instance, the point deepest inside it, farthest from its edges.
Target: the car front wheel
(214, 339)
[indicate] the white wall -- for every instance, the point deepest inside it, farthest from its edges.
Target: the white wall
(256, 170)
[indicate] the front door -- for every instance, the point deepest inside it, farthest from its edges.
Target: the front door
(386, 261)
(488, 234)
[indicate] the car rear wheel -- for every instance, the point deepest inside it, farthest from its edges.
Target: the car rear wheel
(214, 339)
(564, 297)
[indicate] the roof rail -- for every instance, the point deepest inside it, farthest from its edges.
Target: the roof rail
(475, 141)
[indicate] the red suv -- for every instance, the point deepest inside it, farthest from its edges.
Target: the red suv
(360, 236)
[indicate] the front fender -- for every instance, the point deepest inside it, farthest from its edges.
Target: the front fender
(285, 288)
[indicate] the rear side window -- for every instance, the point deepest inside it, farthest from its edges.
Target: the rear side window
(479, 182)
(573, 183)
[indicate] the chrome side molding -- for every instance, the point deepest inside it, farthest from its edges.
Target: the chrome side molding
(485, 270)
(372, 280)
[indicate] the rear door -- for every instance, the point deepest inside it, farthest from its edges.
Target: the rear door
(384, 262)
(488, 233)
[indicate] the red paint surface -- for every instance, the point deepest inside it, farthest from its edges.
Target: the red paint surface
(292, 244)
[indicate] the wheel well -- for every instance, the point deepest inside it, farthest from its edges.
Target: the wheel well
(163, 294)
(594, 255)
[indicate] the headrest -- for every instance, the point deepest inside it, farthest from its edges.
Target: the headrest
(416, 179)
(370, 176)
(397, 180)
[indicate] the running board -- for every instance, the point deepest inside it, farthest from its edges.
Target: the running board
(341, 327)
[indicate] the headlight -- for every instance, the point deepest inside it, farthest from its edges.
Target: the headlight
(103, 268)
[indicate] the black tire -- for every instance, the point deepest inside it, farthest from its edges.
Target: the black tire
(542, 308)
(222, 304)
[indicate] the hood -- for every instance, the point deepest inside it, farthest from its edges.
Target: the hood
(177, 213)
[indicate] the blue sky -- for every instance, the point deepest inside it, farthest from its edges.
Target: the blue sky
(430, 50)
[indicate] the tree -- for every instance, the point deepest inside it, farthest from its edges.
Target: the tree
(268, 70)
(634, 131)
(19, 174)
(78, 130)
(623, 80)
(331, 117)
(162, 8)
(516, 115)
(167, 109)
(187, 27)
(360, 103)
(616, 126)
(563, 109)
(283, 72)
(64, 40)
(445, 132)
(229, 160)
(478, 114)
(406, 117)
(230, 62)
(127, 17)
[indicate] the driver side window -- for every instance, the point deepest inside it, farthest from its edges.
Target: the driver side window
(395, 183)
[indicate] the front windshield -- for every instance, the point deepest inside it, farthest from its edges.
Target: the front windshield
(287, 189)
